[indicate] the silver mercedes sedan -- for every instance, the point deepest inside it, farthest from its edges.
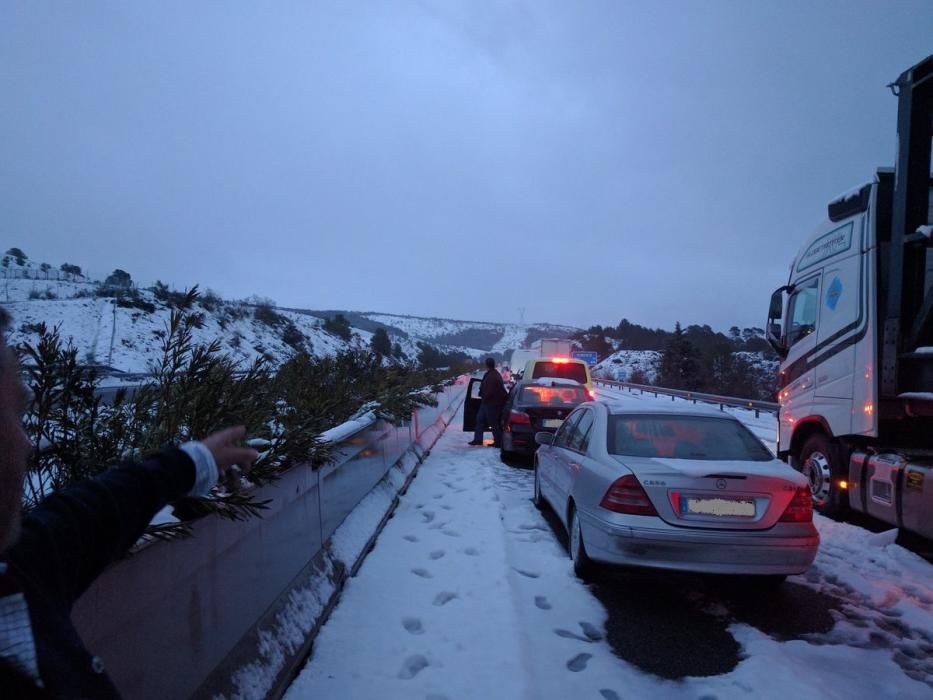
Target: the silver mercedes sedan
(687, 490)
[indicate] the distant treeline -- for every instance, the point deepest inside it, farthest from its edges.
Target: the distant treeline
(695, 358)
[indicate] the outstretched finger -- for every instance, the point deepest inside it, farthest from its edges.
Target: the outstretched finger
(229, 435)
(243, 457)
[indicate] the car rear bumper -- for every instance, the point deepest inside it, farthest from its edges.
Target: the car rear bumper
(705, 551)
(521, 440)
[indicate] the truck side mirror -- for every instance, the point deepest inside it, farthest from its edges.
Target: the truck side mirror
(774, 333)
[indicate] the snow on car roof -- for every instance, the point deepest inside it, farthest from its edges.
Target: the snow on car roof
(555, 381)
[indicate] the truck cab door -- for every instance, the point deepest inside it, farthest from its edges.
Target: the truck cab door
(471, 405)
(800, 337)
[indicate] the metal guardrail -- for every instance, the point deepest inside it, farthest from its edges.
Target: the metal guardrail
(722, 401)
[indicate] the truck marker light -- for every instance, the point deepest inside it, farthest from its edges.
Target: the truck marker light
(869, 408)
(843, 484)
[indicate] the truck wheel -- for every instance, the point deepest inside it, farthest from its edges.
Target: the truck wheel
(817, 463)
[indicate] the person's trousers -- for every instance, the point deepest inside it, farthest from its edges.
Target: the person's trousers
(488, 415)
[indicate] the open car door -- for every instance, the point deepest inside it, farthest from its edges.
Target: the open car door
(471, 405)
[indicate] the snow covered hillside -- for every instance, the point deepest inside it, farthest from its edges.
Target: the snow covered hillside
(637, 366)
(122, 328)
(472, 337)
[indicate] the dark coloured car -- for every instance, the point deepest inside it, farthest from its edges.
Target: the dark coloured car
(536, 405)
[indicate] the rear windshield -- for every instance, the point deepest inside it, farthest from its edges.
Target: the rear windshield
(552, 396)
(684, 437)
(562, 370)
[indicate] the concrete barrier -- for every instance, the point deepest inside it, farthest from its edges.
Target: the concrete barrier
(232, 610)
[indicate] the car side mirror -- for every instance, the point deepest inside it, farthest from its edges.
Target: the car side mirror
(544, 438)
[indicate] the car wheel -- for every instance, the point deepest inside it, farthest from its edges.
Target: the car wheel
(537, 498)
(771, 582)
(582, 565)
(817, 464)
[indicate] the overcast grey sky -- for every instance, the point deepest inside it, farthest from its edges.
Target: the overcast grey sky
(587, 161)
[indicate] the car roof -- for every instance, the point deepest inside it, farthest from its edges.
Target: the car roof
(549, 381)
(554, 381)
(620, 409)
(559, 360)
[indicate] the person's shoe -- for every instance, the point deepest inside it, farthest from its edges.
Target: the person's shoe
(474, 443)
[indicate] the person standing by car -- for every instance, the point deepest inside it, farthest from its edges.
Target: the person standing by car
(49, 557)
(492, 396)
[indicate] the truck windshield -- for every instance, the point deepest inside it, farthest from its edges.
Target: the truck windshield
(684, 437)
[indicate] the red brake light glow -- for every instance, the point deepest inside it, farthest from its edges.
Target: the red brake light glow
(560, 360)
(626, 495)
(519, 417)
(592, 393)
(800, 508)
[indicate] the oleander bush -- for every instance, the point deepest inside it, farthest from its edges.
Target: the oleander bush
(194, 390)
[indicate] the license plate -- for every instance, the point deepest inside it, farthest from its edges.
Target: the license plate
(551, 423)
(718, 506)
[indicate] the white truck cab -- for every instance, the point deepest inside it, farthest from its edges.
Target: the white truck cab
(854, 329)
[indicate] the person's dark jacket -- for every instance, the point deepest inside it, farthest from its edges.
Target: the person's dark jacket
(492, 389)
(66, 542)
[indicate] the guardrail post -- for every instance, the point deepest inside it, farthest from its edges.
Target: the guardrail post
(722, 407)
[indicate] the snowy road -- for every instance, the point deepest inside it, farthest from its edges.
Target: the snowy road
(469, 593)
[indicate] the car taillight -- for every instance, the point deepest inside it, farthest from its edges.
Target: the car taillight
(800, 508)
(519, 418)
(592, 393)
(626, 495)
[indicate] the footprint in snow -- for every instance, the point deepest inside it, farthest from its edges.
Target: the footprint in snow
(542, 602)
(471, 551)
(427, 516)
(438, 495)
(436, 696)
(423, 573)
(437, 554)
(610, 694)
(529, 574)
(450, 533)
(410, 538)
(413, 625)
(413, 665)
(578, 662)
(447, 507)
(443, 598)
(567, 634)
(593, 634)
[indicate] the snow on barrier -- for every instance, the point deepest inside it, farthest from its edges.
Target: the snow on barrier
(231, 612)
(722, 401)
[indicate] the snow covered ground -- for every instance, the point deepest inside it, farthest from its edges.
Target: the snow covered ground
(469, 593)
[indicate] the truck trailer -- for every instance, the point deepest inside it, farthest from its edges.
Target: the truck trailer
(853, 327)
(545, 347)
